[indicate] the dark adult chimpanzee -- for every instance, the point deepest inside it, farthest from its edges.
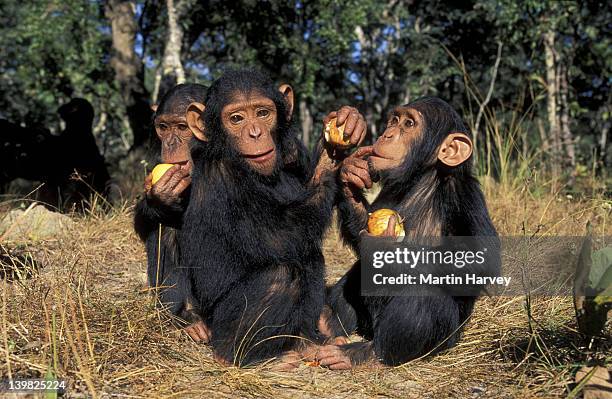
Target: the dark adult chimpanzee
(159, 213)
(423, 160)
(251, 237)
(79, 153)
(24, 149)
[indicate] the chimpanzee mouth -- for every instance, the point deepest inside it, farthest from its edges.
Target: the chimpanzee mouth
(180, 163)
(374, 154)
(261, 157)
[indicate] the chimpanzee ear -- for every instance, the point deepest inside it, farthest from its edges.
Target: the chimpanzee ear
(455, 149)
(154, 107)
(194, 120)
(287, 92)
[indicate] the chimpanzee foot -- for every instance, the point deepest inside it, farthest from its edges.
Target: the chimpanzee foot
(334, 358)
(289, 361)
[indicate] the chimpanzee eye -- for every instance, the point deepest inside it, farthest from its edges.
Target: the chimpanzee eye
(162, 126)
(182, 126)
(262, 113)
(236, 118)
(409, 122)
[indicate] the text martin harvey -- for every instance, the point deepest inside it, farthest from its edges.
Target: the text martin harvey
(429, 279)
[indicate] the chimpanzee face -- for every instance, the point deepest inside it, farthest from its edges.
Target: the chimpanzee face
(404, 126)
(175, 136)
(251, 120)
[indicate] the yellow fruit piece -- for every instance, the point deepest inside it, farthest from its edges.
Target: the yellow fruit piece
(335, 135)
(159, 170)
(379, 220)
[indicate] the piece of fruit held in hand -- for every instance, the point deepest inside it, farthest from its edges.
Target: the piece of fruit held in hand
(379, 220)
(159, 170)
(335, 135)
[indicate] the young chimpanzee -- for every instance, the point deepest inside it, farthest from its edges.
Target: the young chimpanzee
(251, 237)
(159, 214)
(423, 160)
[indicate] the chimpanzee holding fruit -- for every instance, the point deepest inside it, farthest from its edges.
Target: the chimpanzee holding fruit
(159, 214)
(252, 232)
(423, 161)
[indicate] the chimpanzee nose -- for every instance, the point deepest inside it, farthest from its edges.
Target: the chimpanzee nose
(388, 134)
(254, 131)
(171, 142)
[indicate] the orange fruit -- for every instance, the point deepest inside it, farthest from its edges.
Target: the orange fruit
(160, 170)
(379, 220)
(335, 134)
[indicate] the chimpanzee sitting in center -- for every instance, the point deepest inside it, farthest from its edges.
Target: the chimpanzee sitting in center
(251, 237)
(423, 160)
(159, 214)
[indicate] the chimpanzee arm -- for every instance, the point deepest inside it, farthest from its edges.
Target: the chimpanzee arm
(172, 285)
(353, 215)
(148, 215)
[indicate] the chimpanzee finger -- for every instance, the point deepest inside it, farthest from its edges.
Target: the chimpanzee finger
(355, 181)
(360, 132)
(148, 183)
(181, 186)
(329, 117)
(341, 364)
(193, 333)
(343, 113)
(333, 357)
(363, 152)
(203, 332)
(363, 174)
(390, 231)
(350, 123)
(163, 181)
(176, 178)
(360, 163)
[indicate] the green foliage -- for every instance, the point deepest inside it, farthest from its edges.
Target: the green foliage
(50, 52)
(600, 277)
(367, 53)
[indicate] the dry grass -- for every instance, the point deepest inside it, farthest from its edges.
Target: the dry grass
(86, 316)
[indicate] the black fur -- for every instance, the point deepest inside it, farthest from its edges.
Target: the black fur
(252, 244)
(402, 328)
(152, 218)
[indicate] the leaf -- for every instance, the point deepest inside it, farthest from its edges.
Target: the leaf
(604, 297)
(600, 275)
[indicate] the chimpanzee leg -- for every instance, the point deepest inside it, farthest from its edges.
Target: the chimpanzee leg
(412, 326)
(346, 304)
(265, 315)
(403, 329)
(172, 285)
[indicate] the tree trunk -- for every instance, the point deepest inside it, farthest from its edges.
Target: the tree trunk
(566, 133)
(171, 72)
(306, 121)
(603, 138)
(551, 87)
(128, 68)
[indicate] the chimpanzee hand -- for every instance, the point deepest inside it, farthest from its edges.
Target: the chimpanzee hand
(354, 172)
(199, 332)
(168, 189)
(355, 126)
